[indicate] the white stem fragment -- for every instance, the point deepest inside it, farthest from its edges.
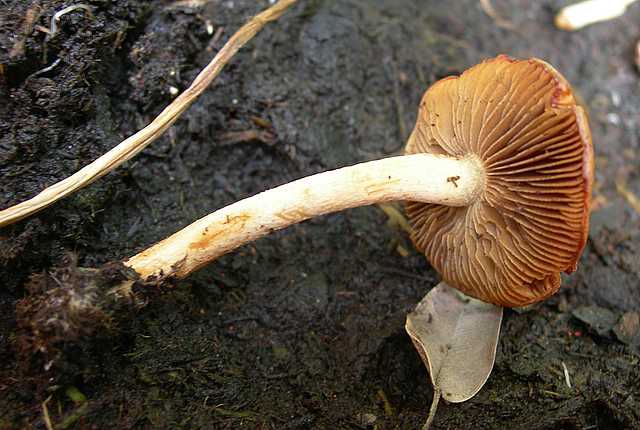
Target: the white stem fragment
(579, 15)
(420, 177)
(567, 378)
(131, 146)
(58, 15)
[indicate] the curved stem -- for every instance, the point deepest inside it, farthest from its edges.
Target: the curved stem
(420, 177)
(131, 146)
(437, 392)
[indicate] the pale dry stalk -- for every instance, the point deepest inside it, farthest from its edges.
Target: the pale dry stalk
(582, 14)
(128, 148)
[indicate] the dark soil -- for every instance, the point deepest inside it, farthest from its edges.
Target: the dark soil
(303, 329)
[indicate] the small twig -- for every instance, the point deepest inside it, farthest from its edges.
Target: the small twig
(434, 408)
(488, 8)
(45, 70)
(396, 217)
(131, 146)
(32, 15)
(215, 38)
(553, 394)
(388, 409)
(187, 4)
(567, 378)
(629, 196)
(45, 414)
(43, 29)
(264, 136)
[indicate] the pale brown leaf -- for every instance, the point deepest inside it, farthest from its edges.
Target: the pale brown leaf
(456, 336)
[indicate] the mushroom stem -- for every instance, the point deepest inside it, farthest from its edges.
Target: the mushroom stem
(420, 177)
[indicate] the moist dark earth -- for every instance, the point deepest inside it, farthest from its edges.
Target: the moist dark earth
(304, 328)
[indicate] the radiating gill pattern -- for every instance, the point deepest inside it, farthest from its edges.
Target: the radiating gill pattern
(529, 224)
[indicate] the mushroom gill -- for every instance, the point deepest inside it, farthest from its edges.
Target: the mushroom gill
(520, 119)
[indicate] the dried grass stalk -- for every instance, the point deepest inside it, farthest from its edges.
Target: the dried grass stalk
(128, 148)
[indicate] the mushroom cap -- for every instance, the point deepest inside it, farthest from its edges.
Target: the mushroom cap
(521, 120)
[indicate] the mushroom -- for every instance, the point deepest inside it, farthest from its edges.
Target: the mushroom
(498, 173)
(508, 247)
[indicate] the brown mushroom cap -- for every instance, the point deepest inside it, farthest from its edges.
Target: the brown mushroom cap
(520, 119)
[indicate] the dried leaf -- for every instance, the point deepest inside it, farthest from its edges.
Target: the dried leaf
(456, 337)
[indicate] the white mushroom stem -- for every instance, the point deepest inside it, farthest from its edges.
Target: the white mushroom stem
(579, 15)
(420, 177)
